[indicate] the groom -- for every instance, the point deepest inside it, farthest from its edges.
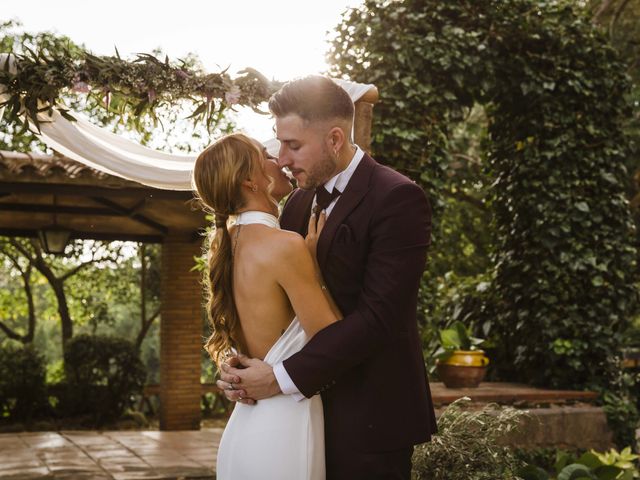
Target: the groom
(372, 253)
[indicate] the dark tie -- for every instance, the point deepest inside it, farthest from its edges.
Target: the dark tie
(324, 199)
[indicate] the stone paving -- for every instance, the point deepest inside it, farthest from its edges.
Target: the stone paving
(117, 455)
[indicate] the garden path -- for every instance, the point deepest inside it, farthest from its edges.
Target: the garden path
(110, 455)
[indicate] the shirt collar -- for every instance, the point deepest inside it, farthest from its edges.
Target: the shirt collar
(341, 180)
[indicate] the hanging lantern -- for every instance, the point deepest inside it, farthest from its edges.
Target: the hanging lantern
(54, 238)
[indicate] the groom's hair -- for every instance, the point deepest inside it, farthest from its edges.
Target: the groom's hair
(312, 98)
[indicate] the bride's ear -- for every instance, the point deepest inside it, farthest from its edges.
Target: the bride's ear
(250, 184)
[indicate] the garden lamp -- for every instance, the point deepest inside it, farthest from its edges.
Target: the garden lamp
(54, 238)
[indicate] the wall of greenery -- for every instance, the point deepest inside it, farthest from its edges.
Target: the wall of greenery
(513, 115)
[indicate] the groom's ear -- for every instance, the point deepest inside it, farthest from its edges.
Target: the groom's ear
(336, 138)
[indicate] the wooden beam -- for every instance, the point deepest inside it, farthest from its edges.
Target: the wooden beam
(35, 208)
(84, 190)
(131, 214)
(138, 205)
(16, 232)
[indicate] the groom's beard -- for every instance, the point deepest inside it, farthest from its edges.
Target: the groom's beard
(320, 172)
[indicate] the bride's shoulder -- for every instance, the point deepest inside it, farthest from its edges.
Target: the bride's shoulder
(287, 239)
(285, 242)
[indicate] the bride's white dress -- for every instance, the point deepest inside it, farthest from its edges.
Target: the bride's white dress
(278, 438)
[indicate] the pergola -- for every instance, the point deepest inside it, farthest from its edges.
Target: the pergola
(96, 205)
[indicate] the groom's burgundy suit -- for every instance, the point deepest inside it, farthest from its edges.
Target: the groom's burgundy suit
(369, 366)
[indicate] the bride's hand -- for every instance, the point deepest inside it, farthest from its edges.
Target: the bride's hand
(313, 233)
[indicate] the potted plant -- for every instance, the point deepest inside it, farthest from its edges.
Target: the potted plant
(459, 361)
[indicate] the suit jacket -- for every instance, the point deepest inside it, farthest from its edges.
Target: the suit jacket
(369, 366)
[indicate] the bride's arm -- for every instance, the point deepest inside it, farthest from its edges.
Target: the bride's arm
(296, 274)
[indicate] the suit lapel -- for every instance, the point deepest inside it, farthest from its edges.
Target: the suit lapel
(355, 190)
(295, 215)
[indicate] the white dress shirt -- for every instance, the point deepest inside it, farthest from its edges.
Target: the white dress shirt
(340, 182)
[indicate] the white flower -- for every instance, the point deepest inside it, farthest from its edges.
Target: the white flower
(81, 87)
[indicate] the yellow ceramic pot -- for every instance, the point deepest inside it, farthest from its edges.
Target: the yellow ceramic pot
(468, 358)
(463, 369)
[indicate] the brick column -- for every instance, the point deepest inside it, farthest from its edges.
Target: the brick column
(180, 336)
(363, 117)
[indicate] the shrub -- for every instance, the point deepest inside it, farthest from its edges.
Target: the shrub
(22, 382)
(102, 374)
(467, 445)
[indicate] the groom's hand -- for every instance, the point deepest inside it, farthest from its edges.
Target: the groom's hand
(255, 381)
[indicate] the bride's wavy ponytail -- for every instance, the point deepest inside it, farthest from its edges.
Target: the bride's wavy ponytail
(217, 179)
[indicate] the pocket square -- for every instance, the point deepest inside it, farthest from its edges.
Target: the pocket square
(344, 234)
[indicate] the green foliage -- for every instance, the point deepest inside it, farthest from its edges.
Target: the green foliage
(620, 403)
(102, 373)
(456, 337)
(563, 264)
(48, 71)
(164, 126)
(611, 465)
(104, 296)
(454, 298)
(468, 445)
(543, 458)
(22, 383)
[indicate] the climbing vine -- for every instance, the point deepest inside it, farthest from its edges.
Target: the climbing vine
(563, 266)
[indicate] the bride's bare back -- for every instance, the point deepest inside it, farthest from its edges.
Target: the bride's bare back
(273, 280)
(263, 306)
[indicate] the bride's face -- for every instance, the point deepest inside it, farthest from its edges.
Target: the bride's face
(278, 182)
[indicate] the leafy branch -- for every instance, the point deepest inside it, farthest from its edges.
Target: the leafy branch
(38, 78)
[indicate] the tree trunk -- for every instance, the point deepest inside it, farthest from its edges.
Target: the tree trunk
(143, 295)
(57, 285)
(145, 328)
(63, 310)
(145, 323)
(30, 304)
(31, 326)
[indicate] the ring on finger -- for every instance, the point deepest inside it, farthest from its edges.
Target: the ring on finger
(231, 387)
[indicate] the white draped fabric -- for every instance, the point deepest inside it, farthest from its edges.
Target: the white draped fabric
(110, 153)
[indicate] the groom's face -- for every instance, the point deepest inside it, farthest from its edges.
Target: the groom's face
(304, 151)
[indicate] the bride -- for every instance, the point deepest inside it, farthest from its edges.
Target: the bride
(266, 299)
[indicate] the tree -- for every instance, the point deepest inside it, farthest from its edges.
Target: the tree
(24, 270)
(58, 271)
(148, 279)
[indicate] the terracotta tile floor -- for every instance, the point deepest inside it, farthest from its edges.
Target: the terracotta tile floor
(118, 455)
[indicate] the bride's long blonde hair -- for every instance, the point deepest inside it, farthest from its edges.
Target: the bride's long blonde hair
(217, 179)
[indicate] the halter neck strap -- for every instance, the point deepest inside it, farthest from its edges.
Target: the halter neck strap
(255, 216)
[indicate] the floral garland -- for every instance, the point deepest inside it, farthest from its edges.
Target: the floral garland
(122, 87)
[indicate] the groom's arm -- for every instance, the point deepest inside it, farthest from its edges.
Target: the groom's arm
(399, 237)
